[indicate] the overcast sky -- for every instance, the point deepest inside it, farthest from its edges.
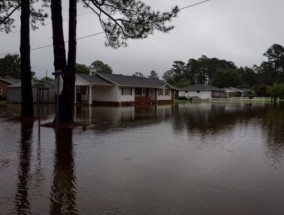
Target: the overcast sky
(236, 30)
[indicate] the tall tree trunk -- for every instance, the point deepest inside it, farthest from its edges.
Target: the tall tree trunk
(59, 51)
(27, 95)
(69, 83)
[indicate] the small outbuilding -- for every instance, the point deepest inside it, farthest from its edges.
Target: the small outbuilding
(42, 90)
(5, 83)
(201, 91)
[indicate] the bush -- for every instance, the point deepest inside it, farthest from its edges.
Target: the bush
(277, 91)
(250, 95)
(182, 98)
(2, 98)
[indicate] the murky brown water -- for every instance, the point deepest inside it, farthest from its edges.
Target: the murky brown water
(186, 159)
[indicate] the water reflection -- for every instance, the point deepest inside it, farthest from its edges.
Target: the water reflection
(22, 199)
(273, 125)
(103, 119)
(212, 117)
(43, 110)
(149, 160)
(3, 109)
(63, 190)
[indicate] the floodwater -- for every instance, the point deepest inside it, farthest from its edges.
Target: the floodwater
(186, 159)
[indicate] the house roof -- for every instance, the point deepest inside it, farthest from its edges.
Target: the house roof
(239, 90)
(34, 84)
(201, 87)
(11, 81)
(93, 79)
(233, 89)
(133, 81)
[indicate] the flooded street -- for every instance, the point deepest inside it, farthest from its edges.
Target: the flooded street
(198, 159)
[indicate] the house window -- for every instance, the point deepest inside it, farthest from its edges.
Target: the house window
(138, 91)
(198, 91)
(126, 91)
(186, 91)
(160, 92)
(167, 92)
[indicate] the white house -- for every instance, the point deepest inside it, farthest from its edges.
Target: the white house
(201, 91)
(114, 89)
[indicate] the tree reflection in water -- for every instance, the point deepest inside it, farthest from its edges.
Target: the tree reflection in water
(274, 124)
(214, 119)
(22, 200)
(63, 190)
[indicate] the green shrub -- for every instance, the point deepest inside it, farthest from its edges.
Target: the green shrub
(2, 98)
(182, 98)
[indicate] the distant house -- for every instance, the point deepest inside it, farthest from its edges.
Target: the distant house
(233, 92)
(4, 83)
(237, 92)
(46, 90)
(114, 89)
(201, 91)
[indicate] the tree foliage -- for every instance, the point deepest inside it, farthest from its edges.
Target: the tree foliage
(9, 7)
(227, 78)
(100, 67)
(274, 66)
(10, 65)
(122, 20)
(153, 75)
(82, 68)
(276, 91)
(195, 71)
(138, 74)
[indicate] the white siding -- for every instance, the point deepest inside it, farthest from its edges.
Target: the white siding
(81, 82)
(127, 98)
(164, 97)
(106, 94)
(201, 94)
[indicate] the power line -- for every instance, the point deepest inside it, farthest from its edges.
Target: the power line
(47, 46)
(95, 34)
(195, 4)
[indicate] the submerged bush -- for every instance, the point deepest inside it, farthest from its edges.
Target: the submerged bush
(2, 98)
(182, 98)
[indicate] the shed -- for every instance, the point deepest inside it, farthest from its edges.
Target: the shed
(46, 88)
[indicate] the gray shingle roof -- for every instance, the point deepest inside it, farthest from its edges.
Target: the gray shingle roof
(34, 84)
(201, 87)
(11, 81)
(94, 79)
(132, 81)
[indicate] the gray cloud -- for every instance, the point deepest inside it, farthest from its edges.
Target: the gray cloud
(236, 30)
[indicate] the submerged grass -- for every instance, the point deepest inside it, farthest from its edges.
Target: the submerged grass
(3, 103)
(232, 100)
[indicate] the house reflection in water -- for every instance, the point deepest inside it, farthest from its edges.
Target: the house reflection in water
(109, 117)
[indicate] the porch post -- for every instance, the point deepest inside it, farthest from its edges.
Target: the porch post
(90, 94)
(90, 114)
(156, 96)
(75, 96)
